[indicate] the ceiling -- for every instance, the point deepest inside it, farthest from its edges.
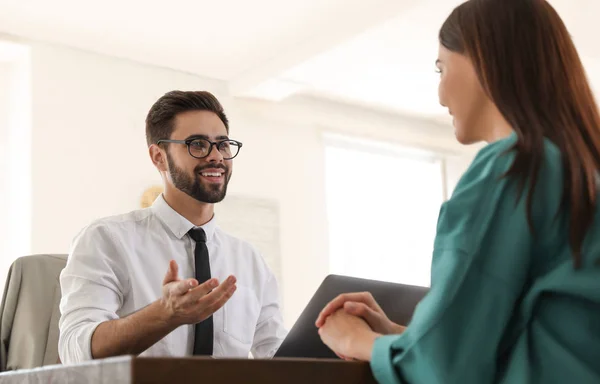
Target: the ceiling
(379, 53)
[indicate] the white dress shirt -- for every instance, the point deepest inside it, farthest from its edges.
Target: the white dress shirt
(116, 266)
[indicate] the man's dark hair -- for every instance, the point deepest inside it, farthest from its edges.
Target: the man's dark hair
(159, 122)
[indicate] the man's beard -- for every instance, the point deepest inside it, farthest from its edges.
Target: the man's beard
(211, 193)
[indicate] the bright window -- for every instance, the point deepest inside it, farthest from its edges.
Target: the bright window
(383, 201)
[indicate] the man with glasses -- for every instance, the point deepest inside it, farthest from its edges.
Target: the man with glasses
(166, 280)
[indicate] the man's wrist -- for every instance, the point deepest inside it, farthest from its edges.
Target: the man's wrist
(164, 315)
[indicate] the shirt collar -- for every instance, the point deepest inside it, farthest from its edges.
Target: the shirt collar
(176, 223)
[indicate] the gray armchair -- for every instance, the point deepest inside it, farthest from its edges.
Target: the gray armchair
(29, 312)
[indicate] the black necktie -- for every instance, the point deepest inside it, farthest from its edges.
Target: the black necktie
(203, 338)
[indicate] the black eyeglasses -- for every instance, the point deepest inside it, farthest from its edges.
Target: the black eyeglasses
(200, 148)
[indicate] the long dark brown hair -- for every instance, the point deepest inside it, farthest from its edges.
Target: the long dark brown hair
(527, 63)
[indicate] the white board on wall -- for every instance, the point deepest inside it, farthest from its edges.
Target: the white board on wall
(255, 221)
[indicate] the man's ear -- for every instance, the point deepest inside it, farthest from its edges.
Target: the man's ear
(158, 157)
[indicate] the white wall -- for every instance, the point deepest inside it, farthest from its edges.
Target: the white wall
(5, 90)
(15, 154)
(90, 159)
(285, 162)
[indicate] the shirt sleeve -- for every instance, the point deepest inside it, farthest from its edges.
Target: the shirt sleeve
(479, 268)
(92, 285)
(270, 330)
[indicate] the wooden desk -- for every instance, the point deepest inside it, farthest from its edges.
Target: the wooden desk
(131, 370)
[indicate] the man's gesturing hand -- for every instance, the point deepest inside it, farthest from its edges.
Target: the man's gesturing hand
(186, 302)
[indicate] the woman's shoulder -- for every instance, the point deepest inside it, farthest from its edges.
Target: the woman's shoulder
(497, 157)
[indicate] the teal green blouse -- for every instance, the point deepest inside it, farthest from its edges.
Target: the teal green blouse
(505, 306)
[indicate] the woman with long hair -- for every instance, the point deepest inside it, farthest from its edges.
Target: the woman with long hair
(515, 294)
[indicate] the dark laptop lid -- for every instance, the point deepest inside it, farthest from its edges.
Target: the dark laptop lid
(398, 301)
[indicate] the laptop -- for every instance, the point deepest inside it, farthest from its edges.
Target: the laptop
(398, 301)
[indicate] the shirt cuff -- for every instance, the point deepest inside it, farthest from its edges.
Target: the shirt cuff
(78, 348)
(381, 359)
